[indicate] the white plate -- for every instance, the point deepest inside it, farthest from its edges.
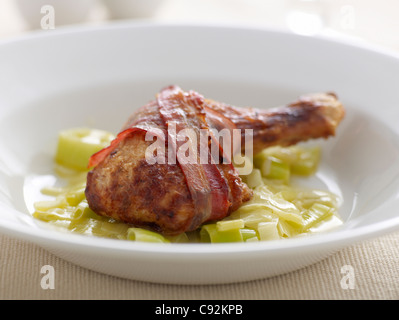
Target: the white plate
(97, 77)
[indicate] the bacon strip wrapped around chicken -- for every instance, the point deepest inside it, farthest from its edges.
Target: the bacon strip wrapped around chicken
(172, 195)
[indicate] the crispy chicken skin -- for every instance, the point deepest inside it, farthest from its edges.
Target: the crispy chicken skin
(165, 197)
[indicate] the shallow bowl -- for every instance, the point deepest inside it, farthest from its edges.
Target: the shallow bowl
(96, 77)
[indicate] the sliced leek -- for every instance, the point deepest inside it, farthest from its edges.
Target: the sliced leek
(76, 146)
(300, 160)
(315, 214)
(268, 231)
(254, 179)
(249, 234)
(274, 168)
(226, 225)
(210, 233)
(142, 235)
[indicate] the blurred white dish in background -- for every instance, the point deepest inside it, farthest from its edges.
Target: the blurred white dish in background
(65, 11)
(375, 21)
(47, 85)
(126, 9)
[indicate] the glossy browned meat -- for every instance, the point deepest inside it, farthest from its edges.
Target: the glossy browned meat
(311, 116)
(168, 198)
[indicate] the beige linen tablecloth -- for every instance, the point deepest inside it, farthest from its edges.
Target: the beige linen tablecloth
(374, 263)
(375, 266)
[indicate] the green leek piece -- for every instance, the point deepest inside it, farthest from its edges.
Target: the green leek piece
(52, 215)
(260, 158)
(83, 211)
(248, 234)
(302, 161)
(268, 231)
(307, 162)
(252, 220)
(285, 154)
(76, 146)
(275, 169)
(254, 179)
(209, 233)
(315, 214)
(269, 207)
(138, 234)
(180, 238)
(226, 225)
(75, 196)
(253, 239)
(83, 225)
(286, 230)
(45, 205)
(52, 191)
(284, 209)
(251, 208)
(114, 228)
(88, 225)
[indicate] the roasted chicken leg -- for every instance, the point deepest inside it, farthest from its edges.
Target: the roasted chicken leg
(175, 197)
